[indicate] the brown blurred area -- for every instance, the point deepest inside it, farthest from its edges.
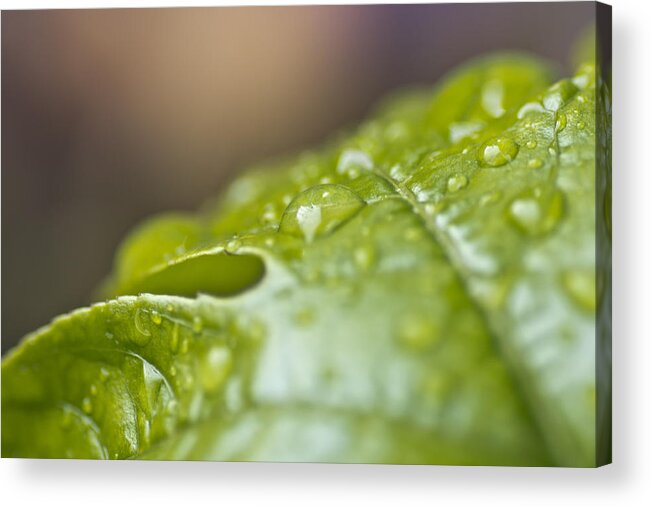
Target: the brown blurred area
(109, 116)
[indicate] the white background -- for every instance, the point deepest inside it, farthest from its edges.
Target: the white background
(626, 482)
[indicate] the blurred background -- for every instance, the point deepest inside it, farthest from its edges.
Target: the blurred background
(109, 116)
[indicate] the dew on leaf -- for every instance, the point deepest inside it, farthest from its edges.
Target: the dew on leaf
(536, 214)
(561, 122)
(320, 210)
(155, 317)
(530, 107)
(140, 320)
(457, 182)
(535, 163)
(354, 160)
(558, 95)
(580, 286)
(531, 144)
(498, 151)
(214, 367)
(233, 246)
(197, 324)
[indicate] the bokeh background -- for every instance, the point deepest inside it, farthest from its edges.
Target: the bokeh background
(109, 116)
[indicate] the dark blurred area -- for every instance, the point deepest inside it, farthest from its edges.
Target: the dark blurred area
(109, 116)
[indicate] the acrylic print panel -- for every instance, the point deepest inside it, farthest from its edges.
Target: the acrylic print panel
(426, 279)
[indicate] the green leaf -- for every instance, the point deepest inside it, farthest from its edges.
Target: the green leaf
(420, 290)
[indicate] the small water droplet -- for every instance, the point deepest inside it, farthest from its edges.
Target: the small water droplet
(170, 307)
(580, 285)
(461, 130)
(156, 317)
(214, 367)
(184, 346)
(535, 163)
(197, 324)
(319, 210)
(174, 339)
(173, 371)
(457, 182)
(232, 246)
(561, 122)
(87, 405)
(418, 332)
(531, 144)
(351, 161)
(364, 256)
(537, 214)
(491, 198)
(580, 125)
(559, 94)
(269, 214)
(140, 320)
(104, 374)
(529, 108)
(430, 208)
(93, 389)
(498, 151)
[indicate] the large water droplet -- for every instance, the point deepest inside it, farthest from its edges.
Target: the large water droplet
(457, 182)
(418, 332)
(530, 108)
(498, 151)
(580, 285)
(492, 95)
(214, 367)
(319, 210)
(537, 214)
(353, 161)
(559, 94)
(141, 323)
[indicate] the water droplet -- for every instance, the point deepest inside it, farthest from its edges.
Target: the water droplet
(269, 214)
(93, 389)
(418, 332)
(214, 367)
(156, 317)
(364, 256)
(561, 122)
(174, 339)
(232, 246)
(184, 346)
(491, 198)
(351, 161)
(531, 144)
(492, 95)
(580, 125)
(170, 307)
(319, 210)
(197, 324)
(559, 94)
(498, 151)
(104, 374)
(140, 320)
(530, 107)
(457, 182)
(430, 208)
(536, 215)
(173, 371)
(461, 130)
(87, 405)
(580, 285)
(535, 163)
